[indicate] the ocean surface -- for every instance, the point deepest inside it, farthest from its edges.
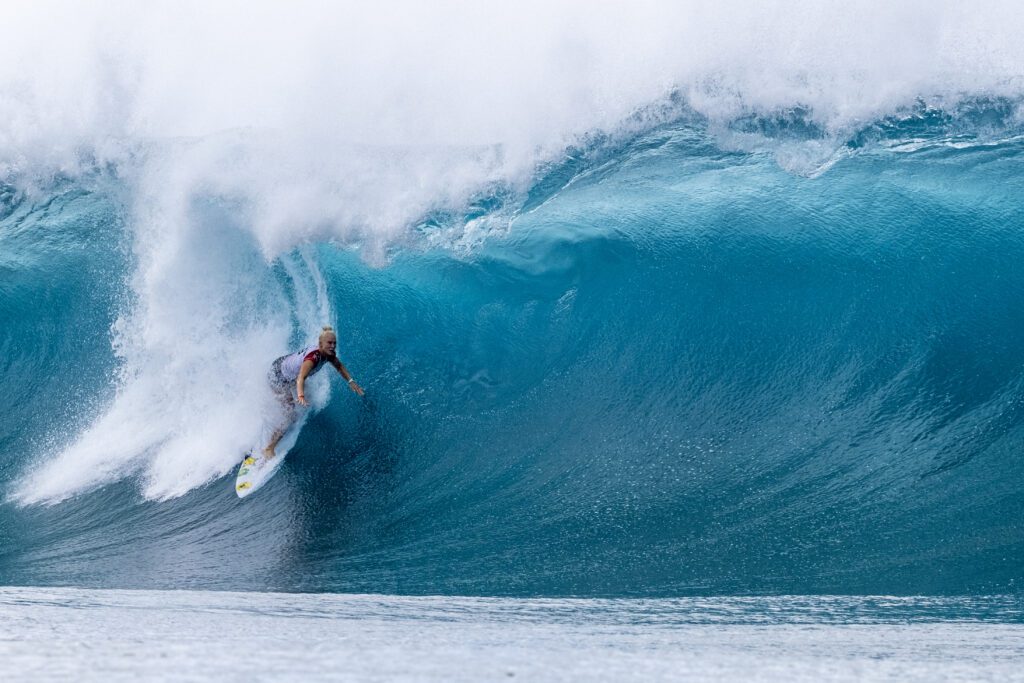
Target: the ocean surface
(116, 635)
(650, 302)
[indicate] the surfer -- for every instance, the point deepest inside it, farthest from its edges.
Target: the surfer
(295, 369)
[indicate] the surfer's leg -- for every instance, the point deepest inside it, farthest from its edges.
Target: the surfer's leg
(284, 395)
(278, 434)
(274, 440)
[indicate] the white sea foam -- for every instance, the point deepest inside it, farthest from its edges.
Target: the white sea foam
(526, 76)
(314, 121)
(349, 120)
(104, 635)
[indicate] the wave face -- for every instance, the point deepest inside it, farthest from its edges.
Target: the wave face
(685, 370)
(750, 332)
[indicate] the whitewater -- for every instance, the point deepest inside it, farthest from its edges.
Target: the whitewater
(654, 304)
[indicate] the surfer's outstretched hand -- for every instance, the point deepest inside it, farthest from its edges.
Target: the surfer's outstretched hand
(354, 386)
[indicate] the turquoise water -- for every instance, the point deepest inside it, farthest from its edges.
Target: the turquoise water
(677, 370)
(658, 301)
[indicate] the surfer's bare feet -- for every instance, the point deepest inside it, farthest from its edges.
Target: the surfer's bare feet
(268, 453)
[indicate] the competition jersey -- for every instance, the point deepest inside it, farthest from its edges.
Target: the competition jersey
(291, 363)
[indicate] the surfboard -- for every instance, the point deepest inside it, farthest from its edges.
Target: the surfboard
(257, 469)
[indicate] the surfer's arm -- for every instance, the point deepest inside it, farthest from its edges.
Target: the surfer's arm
(300, 381)
(347, 376)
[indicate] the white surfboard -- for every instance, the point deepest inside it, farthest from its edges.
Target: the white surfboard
(257, 469)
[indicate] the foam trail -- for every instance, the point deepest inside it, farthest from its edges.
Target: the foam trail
(193, 394)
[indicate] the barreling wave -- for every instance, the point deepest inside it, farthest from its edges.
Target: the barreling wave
(668, 366)
(728, 302)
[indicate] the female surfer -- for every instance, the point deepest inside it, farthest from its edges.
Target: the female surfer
(295, 369)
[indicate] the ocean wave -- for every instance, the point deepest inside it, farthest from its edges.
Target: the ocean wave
(678, 317)
(669, 368)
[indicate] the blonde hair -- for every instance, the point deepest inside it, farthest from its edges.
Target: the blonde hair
(326, 331)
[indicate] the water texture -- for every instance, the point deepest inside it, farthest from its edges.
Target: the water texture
(662, 321)
(50, 634)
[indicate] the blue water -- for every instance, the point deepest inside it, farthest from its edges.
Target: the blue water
(667, 366)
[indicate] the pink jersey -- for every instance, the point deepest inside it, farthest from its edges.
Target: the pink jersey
(292, 363)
